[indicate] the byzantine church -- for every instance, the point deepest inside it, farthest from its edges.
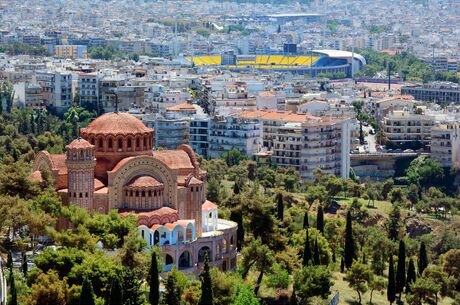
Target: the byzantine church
(113, 165)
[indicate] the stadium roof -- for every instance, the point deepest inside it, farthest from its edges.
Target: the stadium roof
(341, 54)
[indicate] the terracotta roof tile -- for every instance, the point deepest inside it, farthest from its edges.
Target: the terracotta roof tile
(58, 162)
(208, 205)
(182, 107)
(145, 181)
(116, 123)
(79, 143)
(174, 159)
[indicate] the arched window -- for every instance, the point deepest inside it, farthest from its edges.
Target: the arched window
(185, 260)
(138, 143)
(129, 142)
(202, 253)
(120, 145)
(156, 238)
(110, 144)
(101, 144)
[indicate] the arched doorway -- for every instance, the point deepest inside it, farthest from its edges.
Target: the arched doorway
(185, 260)
(202, 253)
(169, 263)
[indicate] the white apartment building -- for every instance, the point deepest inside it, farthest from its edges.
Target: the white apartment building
(445, 144)
(88, 89)
(402, 126)
(231, 132)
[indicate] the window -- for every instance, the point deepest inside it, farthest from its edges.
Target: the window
(129, 143)
(120, 144)
(110, 144)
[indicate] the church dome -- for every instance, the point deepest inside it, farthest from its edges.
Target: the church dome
(79, 144)
(116, 123)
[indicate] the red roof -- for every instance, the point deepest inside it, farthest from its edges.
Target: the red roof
(58, 162)
(174, 159)
(79, 143)
(145, 181)
(182, 107)
(208, 205)
(116, 123)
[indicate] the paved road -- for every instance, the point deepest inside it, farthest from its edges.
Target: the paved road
(370, 139)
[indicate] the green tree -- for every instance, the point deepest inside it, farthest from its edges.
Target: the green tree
(394, 223)
(87, 295)
(359, 276)
(13, 291)
(320, 220)
(401, 269)
(206, 284)
(316, 259)
(154, 284)
(391, 290)
(307, 257)
(279, 207)
(116, 292)
(377, 283)
(312, 281)
(386, 188)
(349, 242)
(245, 296)
(422, 258)
(233, 157)
(411, 275)
(132, 291)
(424, 291)
(172, 293)
(48, 289)
(425, 172)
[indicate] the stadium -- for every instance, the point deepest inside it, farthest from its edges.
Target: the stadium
(319, 62)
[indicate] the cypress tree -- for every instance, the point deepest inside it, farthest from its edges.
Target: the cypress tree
(305, 220)
(236, 188)
(280, 207)
(342, 265)
(306, 250)
(411, 275)
(316, 259)
(116, 292)
(320, 220)
(154, 293)
(13, 291)
(422, 258)
(24, 263)
(206, 284)
(391, 290)
(349, 243)
(333, 257)
(401, 269)
(9, 260)
(132, 291)
(87, 295)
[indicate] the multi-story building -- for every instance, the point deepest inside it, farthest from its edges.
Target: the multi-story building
(88, 89)
(200, 126)
(232, 132)
(403, 126)
(171, 130)
(439, 92)
(445, 143)
(28, 95)
(71, 51)
(107, 89)
(56, 88)
(314, 144)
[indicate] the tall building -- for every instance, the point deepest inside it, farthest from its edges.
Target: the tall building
(88, 89)
(113, 166)
(56, 88)
(404, 126)
(171, 130)
(440, 92)
(445, 144)
(231, 132)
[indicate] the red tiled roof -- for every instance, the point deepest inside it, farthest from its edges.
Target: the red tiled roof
(285, 116)
(58, 162)
(174, 159)
(79, 143)
(208, 205)
(145, 181)
(195, 181)
(164, 211)
(116, 123)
